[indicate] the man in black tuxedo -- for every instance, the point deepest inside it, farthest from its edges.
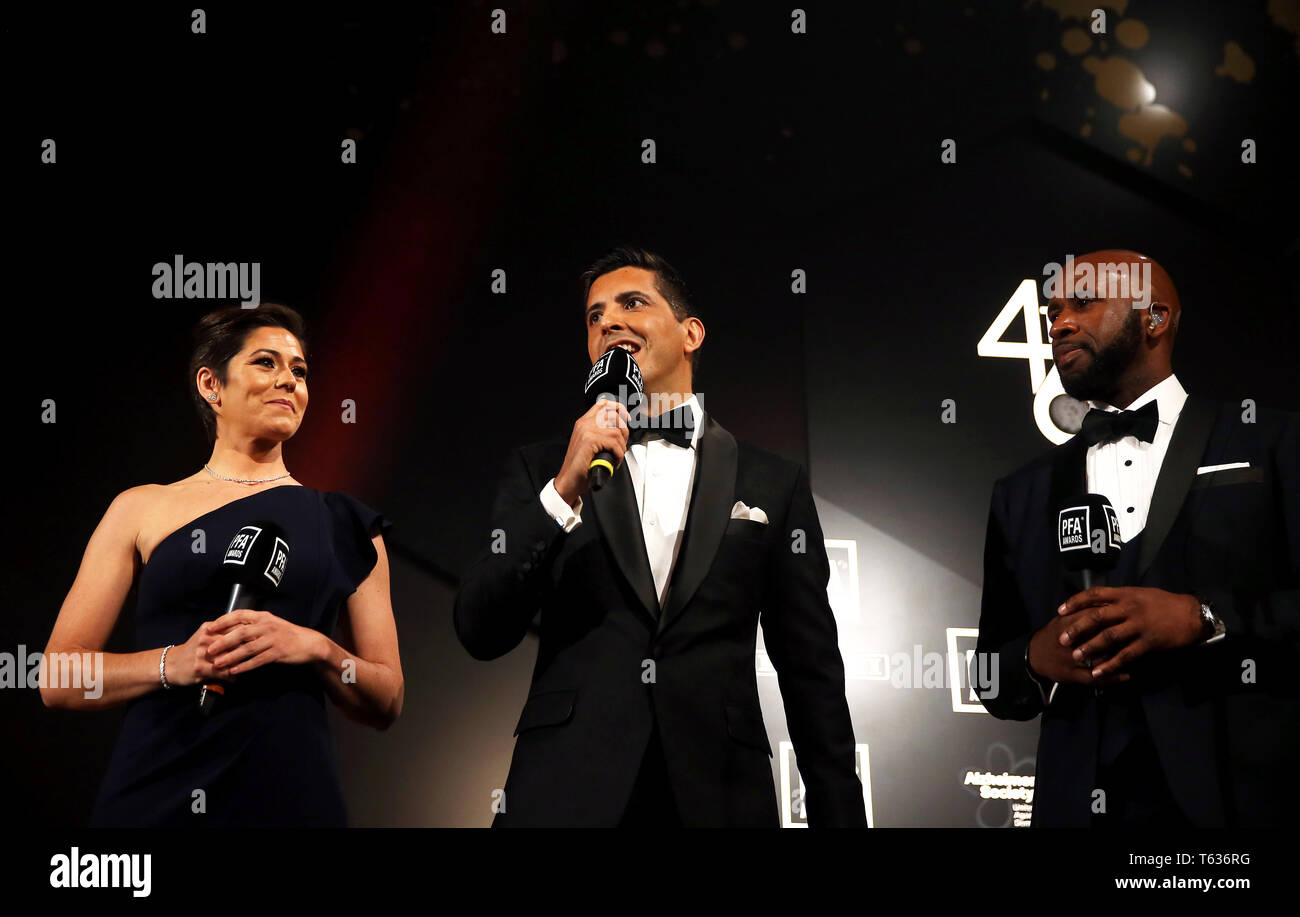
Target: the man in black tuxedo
(1168, 695)
(644, 704)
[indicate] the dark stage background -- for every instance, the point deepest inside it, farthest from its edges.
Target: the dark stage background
(522, 152)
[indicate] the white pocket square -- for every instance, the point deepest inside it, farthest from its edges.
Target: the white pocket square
(753, 514)
(1206, 469)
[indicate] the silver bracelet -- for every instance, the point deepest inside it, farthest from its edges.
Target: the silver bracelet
(162, 666)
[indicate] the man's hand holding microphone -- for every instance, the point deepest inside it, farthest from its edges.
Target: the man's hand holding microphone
(602, 428)
(599, 437)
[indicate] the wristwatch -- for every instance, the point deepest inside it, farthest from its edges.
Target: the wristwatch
(1213, 623)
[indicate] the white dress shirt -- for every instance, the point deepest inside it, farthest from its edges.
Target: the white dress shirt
(662, 475)
(1125, 471)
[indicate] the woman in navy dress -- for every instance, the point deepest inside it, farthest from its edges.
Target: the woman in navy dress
(263, 756)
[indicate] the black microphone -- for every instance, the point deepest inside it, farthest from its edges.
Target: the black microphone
(252, 569)
(614, 377)
(1087, 536)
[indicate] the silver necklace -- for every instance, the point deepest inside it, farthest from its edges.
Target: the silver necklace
(243, 480)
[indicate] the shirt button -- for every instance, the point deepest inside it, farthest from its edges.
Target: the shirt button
(652, 522)
(1130, 509)
(1128, 462)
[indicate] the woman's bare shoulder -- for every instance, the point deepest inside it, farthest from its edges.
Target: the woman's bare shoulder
(135, 499)
(133, 508)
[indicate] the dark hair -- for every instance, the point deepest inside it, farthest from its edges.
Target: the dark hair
(668, 283)
(221, 334)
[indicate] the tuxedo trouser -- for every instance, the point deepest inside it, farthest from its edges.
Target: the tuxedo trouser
(652, 804)
(1129, 770)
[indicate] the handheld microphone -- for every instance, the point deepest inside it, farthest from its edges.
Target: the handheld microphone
(1087, 536)
(252, 568)
(614, 377)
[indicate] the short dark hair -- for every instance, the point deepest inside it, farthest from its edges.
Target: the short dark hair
(221, 334)
(668, 282)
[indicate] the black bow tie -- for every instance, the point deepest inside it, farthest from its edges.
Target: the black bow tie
(676, 426)
(1108, 426)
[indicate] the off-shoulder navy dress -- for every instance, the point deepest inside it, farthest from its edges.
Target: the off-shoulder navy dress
(265, 757)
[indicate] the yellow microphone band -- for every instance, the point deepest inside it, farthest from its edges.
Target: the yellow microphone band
(595, 462)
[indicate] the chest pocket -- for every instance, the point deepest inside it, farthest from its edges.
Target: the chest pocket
(747, 529)
(1227, 476)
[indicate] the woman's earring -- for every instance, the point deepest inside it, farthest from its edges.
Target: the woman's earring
(212, 397)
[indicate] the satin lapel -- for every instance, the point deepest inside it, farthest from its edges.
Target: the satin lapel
(1069, 480)
(615, 506)
(712, 497)
(1177, 472)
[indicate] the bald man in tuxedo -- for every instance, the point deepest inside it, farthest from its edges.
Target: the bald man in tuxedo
(1167, 695)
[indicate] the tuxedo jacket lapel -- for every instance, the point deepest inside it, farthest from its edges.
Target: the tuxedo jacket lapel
(1177, 473)
(615, 506)
(712, 496)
